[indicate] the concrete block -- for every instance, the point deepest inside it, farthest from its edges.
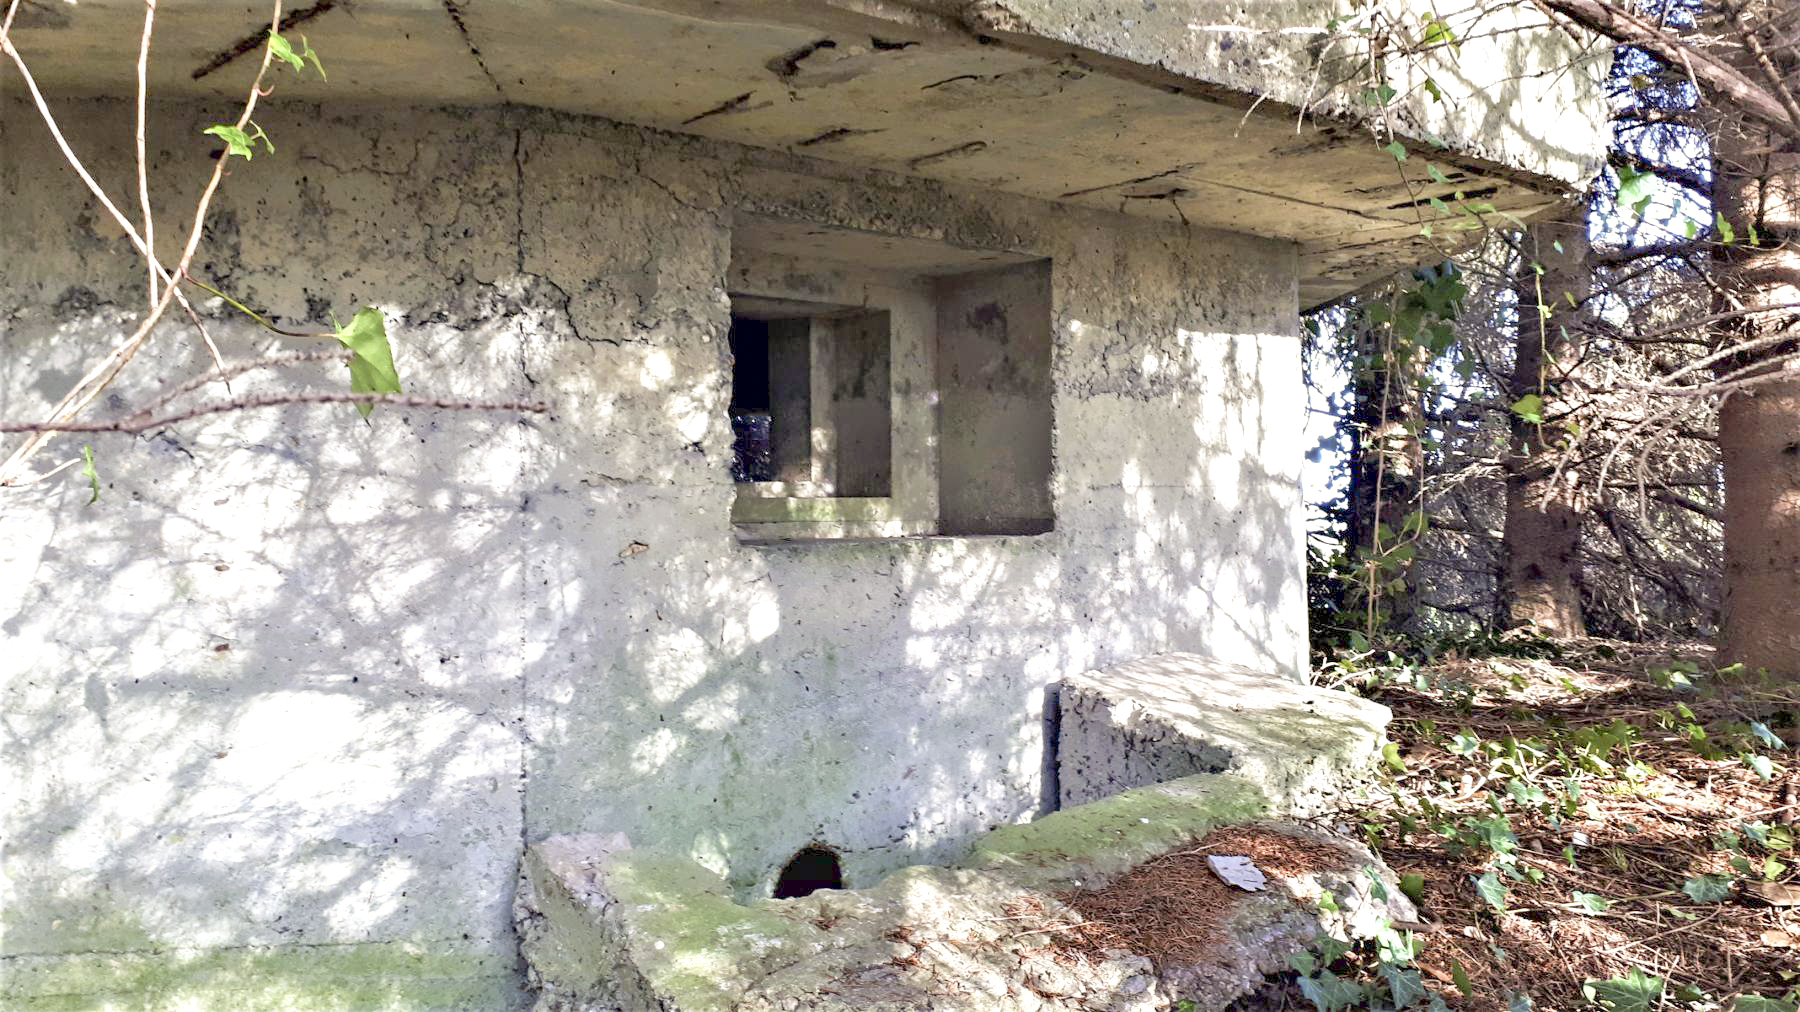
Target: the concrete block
(1173, 715)
(608, 927)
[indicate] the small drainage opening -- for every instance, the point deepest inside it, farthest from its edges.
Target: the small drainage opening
(815, 867)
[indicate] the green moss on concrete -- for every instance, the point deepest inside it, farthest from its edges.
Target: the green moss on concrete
(52, 925)
(368, 977)
(1117, 833)
(691, 940)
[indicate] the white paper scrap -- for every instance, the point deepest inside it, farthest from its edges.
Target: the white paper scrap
(1238, 871)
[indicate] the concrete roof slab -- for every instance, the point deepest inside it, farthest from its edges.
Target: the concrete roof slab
(1227, 116)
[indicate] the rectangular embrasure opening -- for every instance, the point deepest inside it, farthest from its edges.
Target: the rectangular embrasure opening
(886, 387)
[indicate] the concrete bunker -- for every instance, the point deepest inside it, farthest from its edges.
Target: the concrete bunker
(453, 636)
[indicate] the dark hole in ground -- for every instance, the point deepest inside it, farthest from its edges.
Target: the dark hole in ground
(814, 868)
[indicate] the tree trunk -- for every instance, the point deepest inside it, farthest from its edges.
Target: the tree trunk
(1759, 428)
(1541, 574)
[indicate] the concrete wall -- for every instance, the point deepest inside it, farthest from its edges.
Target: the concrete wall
(282, 709)
(994, 377)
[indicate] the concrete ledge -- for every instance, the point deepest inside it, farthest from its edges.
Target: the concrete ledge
(604, 926)
(1174, 715)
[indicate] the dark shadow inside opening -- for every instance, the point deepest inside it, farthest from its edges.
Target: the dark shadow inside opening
(815, 867)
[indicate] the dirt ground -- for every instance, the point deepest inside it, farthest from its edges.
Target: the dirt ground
(1605, 870)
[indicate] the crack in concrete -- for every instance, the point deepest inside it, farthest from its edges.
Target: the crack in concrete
(256, 39)
(518, 154)
(454, 9)
(956, 152)
(1126, 182)
(1182, 191)
(787, 64)
(838, 134)
(952, 80)
(730, 105)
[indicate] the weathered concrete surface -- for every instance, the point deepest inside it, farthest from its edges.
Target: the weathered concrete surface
(1158, 718)
(608, 927)
(1247, 117)
(303, 686)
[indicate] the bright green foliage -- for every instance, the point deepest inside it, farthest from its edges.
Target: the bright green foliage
(1437, 32)
(372, 369)
(1758, 1003)
(1328, 992)
(1461, 976)
(1531, 408)
(1404, 984)
(1760, 765)
(1593, 903)
(92, 475)
(1634, 992)
(1766, 736)
(1491, 889)
(1636, 189)
(1708, 888)
(1380, 975)
(297, 59)
(239, 142)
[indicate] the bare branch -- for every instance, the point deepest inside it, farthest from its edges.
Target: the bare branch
(138, 425)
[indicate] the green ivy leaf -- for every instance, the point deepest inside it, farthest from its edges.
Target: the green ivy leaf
(1530, 407)
(1438, 31)
(296, 58)
(1766, 736)
(1635, 189)
(284, 51)
(1708, 888)
(1460, 977)
(1328, 992)
(1758, 1003)
(1413, 885)
(1404, 984)
(1492, 890)
(1390, 754)
(1634, 992)
(1760, 764)
(1465, 743)
(92, 475)
(1593, 903)
(237, 142)
(1397, 149)
(1727, 234)
(372, 367)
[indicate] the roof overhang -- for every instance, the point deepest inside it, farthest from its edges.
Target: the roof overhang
(1243, 117)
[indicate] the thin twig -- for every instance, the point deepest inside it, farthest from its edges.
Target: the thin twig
(137, 425)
